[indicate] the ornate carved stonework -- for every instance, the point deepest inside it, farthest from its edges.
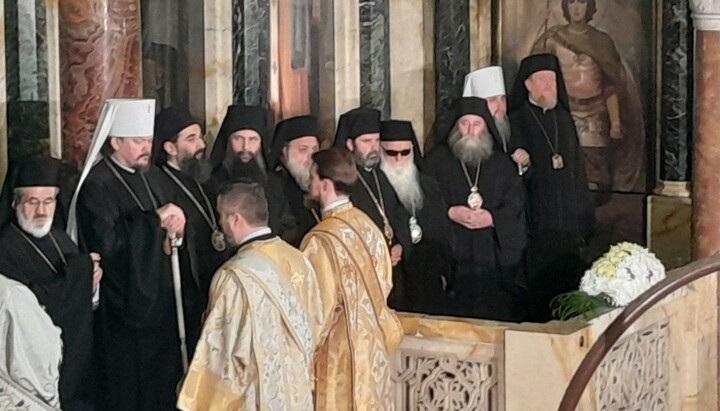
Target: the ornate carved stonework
(635, 375)
(706, 14)
(426, 381)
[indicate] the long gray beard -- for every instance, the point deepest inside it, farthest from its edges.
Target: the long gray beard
(503, 127)
(471, 150)
(300, 174)
(37, 232)
(405, 180)
(197, 169)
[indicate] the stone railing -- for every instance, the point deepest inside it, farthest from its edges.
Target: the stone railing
(665, 360)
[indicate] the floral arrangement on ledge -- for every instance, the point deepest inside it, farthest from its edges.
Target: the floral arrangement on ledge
(614, 280)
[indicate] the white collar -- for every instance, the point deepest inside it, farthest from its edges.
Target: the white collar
(255, 234)
(123, 166)
(536, 104)
(173, 165)
(335, 204)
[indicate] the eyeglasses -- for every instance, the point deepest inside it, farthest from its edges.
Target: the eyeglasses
(395, 153)
(35, 202)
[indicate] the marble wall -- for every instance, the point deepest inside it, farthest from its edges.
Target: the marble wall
(26, 72)
(676, 92)
(26, 50)
(251, 51)
(217, 63)
(452, 58)
(100, 58)
(411, 64)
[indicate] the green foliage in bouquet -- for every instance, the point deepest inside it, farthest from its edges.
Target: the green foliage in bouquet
(578, 304)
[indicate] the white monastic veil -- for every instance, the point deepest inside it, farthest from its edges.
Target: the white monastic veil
(121, 117)
(107, 115)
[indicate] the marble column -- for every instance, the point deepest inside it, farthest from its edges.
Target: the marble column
(218, 50)
(706, 173)
(347, 56)
(375, 55)
(676, 101)
(669, 210)
(481, 34)
(3, 101)
(706, 176)
(452, 59)
(99, 59)
(251, 49)
(411, 63)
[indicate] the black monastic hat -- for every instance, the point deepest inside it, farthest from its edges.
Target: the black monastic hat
(288, 130)
(399, 130)
(238, 117)
(168, 123)
(477, 106)
(532, 64)
(30, 172)
(356, 122)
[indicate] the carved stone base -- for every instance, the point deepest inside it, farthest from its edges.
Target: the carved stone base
(669, 231)
(673, 189)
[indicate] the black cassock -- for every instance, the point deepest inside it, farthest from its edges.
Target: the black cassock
(432, 257)
(396, 216)
(65, 290)
(201, 260)
(304, 217)
(559, 211)
(280, 217)
(488, 273)
(138, 349)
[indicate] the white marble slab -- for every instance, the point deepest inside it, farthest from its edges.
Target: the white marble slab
(347, 56)
(3, 99)
(53, 65)
(218, 64)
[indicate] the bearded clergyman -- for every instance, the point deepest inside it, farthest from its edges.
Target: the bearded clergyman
(358, 131)
(560, 214)
(46, 260)
(486, 200)
(429, 266)
(124, 209)
(239, 153)
(296, 140)
(489, 84)
(179, 152)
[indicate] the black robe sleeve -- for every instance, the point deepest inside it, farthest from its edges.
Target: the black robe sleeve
(282, 221)
(509, 216)
(136, 281)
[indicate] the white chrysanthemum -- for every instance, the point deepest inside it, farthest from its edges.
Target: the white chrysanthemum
(622, 274)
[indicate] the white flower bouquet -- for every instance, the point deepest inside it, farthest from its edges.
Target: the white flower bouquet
(614, 280)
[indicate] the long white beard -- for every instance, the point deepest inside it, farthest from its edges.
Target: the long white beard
(37, 232)
(300, 173)
(471, 150)
(405, 180)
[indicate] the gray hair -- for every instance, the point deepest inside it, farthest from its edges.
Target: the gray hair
(19, 192)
